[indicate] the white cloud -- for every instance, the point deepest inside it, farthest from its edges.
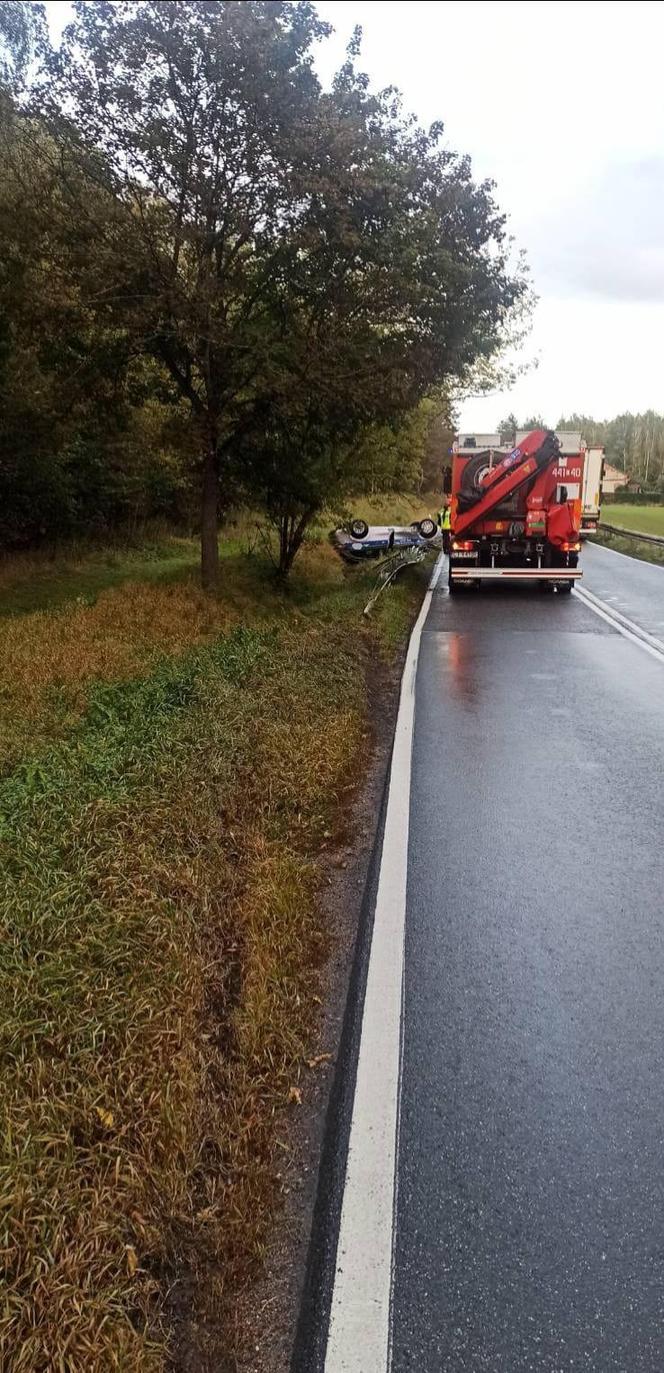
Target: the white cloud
(613, 249)
(561, 104)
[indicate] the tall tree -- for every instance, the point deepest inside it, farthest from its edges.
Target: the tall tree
(193, 116)
(302, 263)
(507, 429)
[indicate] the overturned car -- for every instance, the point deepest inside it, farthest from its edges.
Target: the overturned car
(358, 541)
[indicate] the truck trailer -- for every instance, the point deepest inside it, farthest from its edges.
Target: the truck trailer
(516, 515)
(591, 494)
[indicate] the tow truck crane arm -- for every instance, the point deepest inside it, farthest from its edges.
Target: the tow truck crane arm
(517, 467)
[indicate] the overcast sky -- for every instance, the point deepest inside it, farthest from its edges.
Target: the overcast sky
(562, 105)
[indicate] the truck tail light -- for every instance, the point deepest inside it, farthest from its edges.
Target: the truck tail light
(463, 545)
(571, 547)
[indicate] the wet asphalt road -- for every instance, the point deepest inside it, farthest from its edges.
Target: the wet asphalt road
(530, 1203)
(634, 588)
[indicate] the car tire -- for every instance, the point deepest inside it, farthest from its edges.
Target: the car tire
(359, 529)
(428, 528)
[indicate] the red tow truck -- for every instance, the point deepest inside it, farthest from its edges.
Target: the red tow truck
(516, 515)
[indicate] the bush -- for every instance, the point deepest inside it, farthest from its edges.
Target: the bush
(624, 497)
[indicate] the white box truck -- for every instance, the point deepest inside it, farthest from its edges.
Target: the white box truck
(591, 494)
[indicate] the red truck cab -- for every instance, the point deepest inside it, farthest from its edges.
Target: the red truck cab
(516, 513)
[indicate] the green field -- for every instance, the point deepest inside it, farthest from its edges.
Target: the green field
(646, 519)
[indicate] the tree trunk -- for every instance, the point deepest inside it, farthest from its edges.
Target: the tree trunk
(291, 538)
(210, 519)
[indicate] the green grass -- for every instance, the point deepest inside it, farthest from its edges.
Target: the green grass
(633, 548)
(46, 581)
(170, 768)
(644, 519)
(400, 509)
(29, 584)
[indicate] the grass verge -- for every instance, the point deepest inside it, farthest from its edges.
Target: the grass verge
(43, 581)
(634, 548)
(170, 770)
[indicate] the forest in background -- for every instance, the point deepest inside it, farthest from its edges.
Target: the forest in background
(634, 443)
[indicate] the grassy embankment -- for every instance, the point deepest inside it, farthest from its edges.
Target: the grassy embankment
(169, 769)
(646, 519)
(642, 519)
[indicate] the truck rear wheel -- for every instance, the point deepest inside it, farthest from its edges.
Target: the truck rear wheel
(564, 588)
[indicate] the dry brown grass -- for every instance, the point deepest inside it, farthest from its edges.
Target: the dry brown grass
(118, 636)
(49, 658)
(128, 627)
(161, 944)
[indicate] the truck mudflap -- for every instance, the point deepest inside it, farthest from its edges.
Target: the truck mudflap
(529, 574)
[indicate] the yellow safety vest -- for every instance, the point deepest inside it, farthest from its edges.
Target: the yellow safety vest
(445, 518)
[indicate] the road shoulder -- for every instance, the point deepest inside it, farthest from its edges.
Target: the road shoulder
(289, 1288)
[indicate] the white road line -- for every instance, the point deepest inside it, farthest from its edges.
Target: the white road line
(359, 1331)
(626, 627)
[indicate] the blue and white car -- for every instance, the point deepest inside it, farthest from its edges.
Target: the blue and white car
(358, 541)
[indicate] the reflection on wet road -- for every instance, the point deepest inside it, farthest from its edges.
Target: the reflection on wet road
(530, 1179)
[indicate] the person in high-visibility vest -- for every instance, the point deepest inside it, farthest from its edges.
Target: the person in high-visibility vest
(444, 521)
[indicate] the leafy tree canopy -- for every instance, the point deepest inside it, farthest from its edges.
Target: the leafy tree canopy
(23, 37)
(302, 263)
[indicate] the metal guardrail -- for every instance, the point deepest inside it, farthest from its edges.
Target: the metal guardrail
(629, 533)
